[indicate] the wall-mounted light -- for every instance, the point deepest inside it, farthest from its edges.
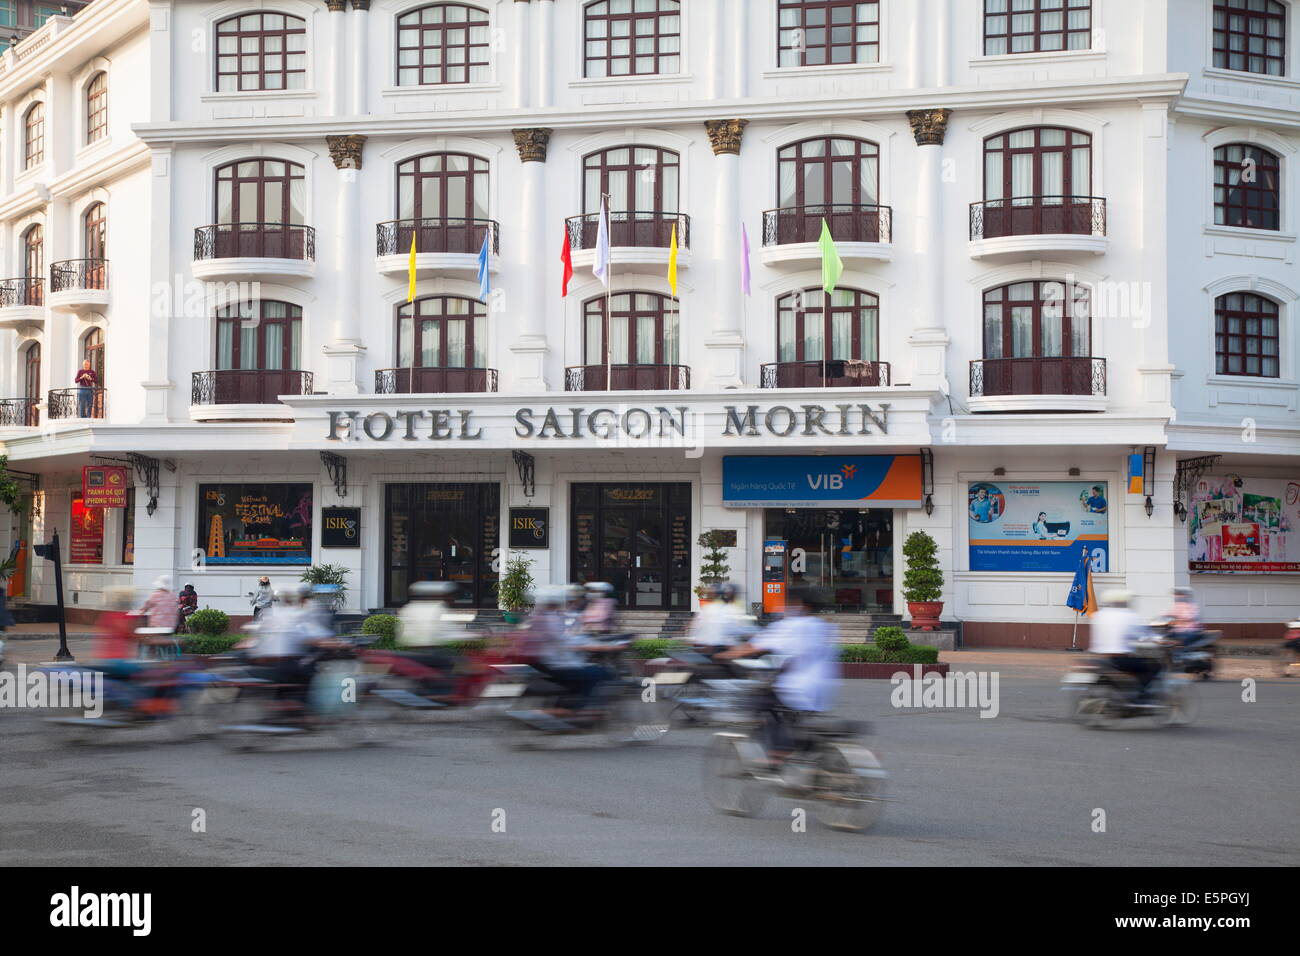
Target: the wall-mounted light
(1149, 507)
(999, 471)
(1180, 510)
(929, 505)
(1074, 472)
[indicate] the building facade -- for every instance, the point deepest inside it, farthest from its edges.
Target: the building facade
(1065, 321)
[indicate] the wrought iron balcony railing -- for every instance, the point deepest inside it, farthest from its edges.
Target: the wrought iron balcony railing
(1038, 216)
(21, 292)
(848, 222)
(831, 373)
(638, 230)
(76, 402)
(19, 412)
(70, 274)
(255, 240)
(238, 386)
(464, 236)
(1059, 375)
(627, 378)
(434, 381)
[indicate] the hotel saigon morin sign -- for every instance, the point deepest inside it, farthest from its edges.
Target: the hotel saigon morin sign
(846, 420)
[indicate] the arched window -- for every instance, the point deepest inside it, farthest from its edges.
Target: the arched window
(642, 330)
(627, 38)
(443, 43)
(1247, 187)
(1246, 335)
(1036, 26)
(261, 51)
(642, 185)
(97, 108)
(34, 136)
(257, 201)
(442, 331)
(808, 329)
(94, 231)
(831, 178)
(265, 335)
(443, 197)
(827, 32)
(32, 372)
(1037, 181)
(1250, 35)
(92, 351)
(1038, 341)
(34, 265)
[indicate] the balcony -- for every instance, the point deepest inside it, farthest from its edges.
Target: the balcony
(244, 394)
(627, 378)
(441, 246)
(1034, 224)
(254, 250)
(76, 403)
(19, 413)
(635, 238)
(78, 285)
(434, 381)
(862, 232)
(833, 373)
(22, 303)
(1059, 384)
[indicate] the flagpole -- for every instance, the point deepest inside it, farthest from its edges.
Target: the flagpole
(609, 292)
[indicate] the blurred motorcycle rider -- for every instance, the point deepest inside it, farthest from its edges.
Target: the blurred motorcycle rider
(720, 623)
(547, 644)
(286, 637)
(809, 643)
(1113, 632)
(422, 632)
(1186, 616)
(161, 608)
(116, 646)
(598, 615)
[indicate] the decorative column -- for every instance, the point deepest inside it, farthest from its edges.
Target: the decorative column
(167, 311)
(725, 345)
(1152, 320)
(929, 341)
(337, 18)
(344, 351)
(360, 21)
(528, 341)
(519, 84)
(545, 81)
(740, 49)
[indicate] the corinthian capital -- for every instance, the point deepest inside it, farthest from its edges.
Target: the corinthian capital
(532, 144)
(345, 150)
(929, 126)
(725, 135)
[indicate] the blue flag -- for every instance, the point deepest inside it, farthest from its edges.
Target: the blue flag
(484, 279)
(1081, 595)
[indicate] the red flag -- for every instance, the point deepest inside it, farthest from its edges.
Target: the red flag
(566, 257)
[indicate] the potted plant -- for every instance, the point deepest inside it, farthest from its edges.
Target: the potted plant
(330, 576)
(514, 590)
(922, 581)
(714, 568)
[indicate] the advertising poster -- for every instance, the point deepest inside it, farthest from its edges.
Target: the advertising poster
(1244, 525)
(1038, 525)
(822, 481)
(87, 544)
(255, 524)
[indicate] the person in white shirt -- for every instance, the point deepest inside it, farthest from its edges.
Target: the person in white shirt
(719, 625)
(423, 630)
(286, 637)
(1112, 633)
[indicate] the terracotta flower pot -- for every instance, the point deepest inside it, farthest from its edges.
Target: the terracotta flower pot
(925, 614)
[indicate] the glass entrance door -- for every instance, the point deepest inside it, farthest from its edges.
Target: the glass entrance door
(443, 532)
(637, 539)
(848, 552)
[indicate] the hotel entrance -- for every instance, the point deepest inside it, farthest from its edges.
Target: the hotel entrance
(849, 552)
(442, 532)
(636, 537)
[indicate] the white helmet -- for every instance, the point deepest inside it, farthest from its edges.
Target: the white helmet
(552, 595)
(1116, 598)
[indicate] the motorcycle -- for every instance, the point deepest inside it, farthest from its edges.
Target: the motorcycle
(1102, 696)
(1287, 656)
(712, 693)
(1194, 655)
(412, 681)
(828, 766)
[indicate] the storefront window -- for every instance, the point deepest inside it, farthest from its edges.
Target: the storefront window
(849, 553)
(443, 532)
(637, 538)
(255, 524)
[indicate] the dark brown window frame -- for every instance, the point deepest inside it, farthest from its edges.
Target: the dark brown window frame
(864, 149)
(1247, 201)
(1038, 303)
(410, 168)
(293, 171)
(1223, 55)
(802, 36)
(262, 321)
(666, 307)
(32, 371)
(94, 231)
(34, 252)
(863, 301)
(1254, 307)
(599, 161)
(34, 136)
(1001, 10)
(97, 107)
(413, 312)
(664, 9)
(293, 26)
(434, 36)
(1069, 188)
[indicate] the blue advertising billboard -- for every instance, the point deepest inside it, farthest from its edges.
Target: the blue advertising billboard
(1037, 525)
(821, 481)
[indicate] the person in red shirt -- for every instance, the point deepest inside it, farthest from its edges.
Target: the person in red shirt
(115, 643)
(86, 381)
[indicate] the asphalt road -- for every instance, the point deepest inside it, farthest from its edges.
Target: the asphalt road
(1019, 789)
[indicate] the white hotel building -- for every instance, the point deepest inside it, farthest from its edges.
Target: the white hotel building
(213, 203)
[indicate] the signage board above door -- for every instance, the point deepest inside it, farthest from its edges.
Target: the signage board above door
(821, 481)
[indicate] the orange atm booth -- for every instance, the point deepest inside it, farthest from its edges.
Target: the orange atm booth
(775, 567)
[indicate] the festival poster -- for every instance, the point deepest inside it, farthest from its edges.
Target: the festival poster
(255, 524)
(1244, 525)
(1038, 525)
(87, 544)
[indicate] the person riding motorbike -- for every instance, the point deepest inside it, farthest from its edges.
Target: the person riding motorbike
(1186, 616)
(287, 638)
(720, 623)
(549, 646)
(598, 614)
(423, 631)
(161, 608)
(115, 648)
(806, 685)
(1113, 632)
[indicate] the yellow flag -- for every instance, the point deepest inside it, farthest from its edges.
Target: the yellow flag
(410, 272)
(672, 262)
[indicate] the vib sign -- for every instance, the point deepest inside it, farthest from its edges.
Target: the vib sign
(821, 481)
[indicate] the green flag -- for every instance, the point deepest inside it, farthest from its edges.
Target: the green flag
(832, 264)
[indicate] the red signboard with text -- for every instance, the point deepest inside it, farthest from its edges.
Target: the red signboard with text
(87, 545)
(103, 486)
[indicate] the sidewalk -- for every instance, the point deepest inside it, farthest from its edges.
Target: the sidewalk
(36, 632)
(37, 649)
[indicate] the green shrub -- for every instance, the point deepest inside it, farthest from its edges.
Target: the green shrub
(890, 638)
(648, 648)
(329, 574)
(923, 579)
(384, 626)
(209, 621)
(210, 643)
(873, 654)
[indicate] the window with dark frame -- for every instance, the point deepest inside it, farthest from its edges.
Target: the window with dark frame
(1038, 319)
(443, 43)
(442, 186)
(261, 51)
(34, 136)
(1046, 163)
(94, 232)
(1250, 36)
(643, 330)
(442, 331)
(32, 372)
(827, 32)
(641, 179)
(828, 170)
(1246, 335)
(263, 335)
(1036, 26)
(34, 262)
(1247, 187)
(97, 108)
(805, 324)
(632, 38)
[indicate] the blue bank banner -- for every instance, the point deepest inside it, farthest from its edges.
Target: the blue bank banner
(821, 481)
(1038, 525)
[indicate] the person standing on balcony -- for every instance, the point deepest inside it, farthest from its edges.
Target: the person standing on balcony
(86, 380)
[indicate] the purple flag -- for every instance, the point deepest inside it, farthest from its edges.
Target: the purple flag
(745, 275)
